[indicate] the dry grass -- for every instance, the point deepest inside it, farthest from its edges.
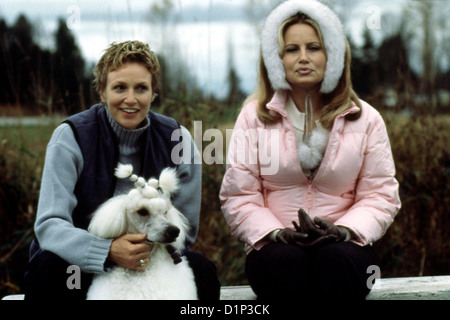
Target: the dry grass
(22, 151)
(416, 244)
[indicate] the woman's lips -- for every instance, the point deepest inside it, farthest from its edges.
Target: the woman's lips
(129, 113)
(129, 110)
(304, 71)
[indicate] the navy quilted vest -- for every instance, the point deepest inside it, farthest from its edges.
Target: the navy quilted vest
(100, 153)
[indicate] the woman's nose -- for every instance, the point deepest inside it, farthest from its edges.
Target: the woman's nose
(303, 57)
(130, 98)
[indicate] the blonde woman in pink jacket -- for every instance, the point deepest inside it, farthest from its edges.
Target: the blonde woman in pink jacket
(310, 180)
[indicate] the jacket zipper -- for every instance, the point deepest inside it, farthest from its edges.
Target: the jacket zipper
(310, 197)
(325, 156)
(309, 180)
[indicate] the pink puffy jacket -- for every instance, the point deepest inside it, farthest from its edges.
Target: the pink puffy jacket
(264, 185)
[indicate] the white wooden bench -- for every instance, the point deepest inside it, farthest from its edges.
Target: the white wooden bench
(410, 288)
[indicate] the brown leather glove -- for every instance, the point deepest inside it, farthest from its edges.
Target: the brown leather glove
(310, 234)
(289, 236)
(341, 233)
(305, 235)
(307, 226)
(315, 234)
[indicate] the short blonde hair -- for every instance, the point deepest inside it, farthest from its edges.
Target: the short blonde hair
(117, 54)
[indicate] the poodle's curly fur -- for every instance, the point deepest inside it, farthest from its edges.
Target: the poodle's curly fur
(145, 209)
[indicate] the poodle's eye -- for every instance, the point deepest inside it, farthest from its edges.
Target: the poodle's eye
(143, 212)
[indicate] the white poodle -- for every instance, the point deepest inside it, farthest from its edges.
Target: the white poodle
(145, 209)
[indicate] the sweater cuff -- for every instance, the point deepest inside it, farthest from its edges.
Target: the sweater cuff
(97, 255)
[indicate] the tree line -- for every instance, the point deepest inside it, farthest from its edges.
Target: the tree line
(39, 78)
(378, 71)
(59, 80)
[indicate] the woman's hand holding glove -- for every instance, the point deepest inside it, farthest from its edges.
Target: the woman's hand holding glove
(341, 233)
(309, 234)
(289, 236)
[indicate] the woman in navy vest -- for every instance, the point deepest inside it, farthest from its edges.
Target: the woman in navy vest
(78, 177)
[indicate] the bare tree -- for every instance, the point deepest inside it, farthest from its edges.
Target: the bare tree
(428, 23)
(235, 94)
(176, 77)
(429, 68)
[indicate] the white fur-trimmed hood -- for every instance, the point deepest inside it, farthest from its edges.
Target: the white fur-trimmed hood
(333, 37)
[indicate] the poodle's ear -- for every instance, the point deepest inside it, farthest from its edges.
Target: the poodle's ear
(177, 218)
(168, 180)
(109, 220)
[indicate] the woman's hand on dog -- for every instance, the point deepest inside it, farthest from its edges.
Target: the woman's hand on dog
(129, 249)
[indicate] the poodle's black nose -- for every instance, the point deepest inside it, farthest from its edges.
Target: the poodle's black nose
(171, 233)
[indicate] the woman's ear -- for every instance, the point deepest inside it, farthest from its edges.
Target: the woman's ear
(154, 97)
(102, 95)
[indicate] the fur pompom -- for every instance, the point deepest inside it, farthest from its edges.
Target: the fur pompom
(153, 183)
(168, 180)
(123, 171)
(310, 155)
(140, 183)
(149, 191)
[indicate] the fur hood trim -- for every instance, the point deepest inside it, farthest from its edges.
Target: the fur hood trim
(333, 37)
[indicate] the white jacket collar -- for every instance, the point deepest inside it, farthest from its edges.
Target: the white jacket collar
(279, 100)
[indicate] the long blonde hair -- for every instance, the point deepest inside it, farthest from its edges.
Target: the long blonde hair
(336, 102)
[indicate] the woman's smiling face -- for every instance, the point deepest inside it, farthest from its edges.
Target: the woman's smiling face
(128, 94)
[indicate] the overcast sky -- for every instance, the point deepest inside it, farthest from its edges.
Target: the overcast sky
(123, 8)
(46, 12)
(202, 29)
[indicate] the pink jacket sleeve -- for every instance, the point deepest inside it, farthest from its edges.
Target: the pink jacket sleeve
(241, 192)
(376, 200)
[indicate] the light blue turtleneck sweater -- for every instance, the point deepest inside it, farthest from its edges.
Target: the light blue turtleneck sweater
(54, 227)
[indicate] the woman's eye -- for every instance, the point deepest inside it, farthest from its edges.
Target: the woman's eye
(291, 49)
(315, 47)
(119, 88)
(142, 88)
